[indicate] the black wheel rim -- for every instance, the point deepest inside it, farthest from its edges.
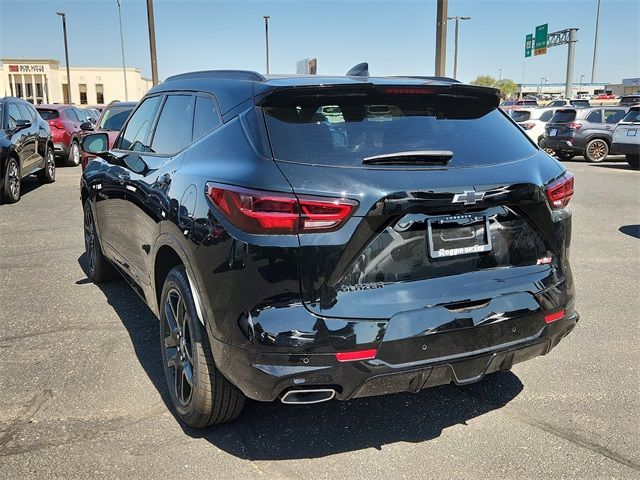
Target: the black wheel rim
(90, 238)
(178, 351)
(51, 166)
(14, 180)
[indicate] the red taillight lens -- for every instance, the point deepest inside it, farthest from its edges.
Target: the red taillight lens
(527, 126)
(357, 355)
(271, 213)
(409, 91)
(552, 317)
(56, 124)
(560, 191)
(574, 126)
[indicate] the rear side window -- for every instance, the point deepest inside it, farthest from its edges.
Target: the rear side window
(48, 114)
(25, 113)
(546, 116)
(595, 117)
(562, 116)
(520, 115)
(361, 127)
(174, 128)
(136, 133)
(114, 117)
(613, 116)
(13, 114)
(206, 118)
(632, 116)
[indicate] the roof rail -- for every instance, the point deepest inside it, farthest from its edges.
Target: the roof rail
(444, 79)
(226, 74)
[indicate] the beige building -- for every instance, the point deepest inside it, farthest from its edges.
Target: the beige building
(45, 81)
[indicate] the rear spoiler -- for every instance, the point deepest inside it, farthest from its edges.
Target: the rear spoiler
(489, 97)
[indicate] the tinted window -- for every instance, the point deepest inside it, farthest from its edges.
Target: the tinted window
(595, 117)
(520, 115)
(136, 133)
(632, 116)
(546, 116)
(474, 132)
(630, 100)
(613, 116)
(580, 103)
(13, 114)
(508, 103)
(25, 114)
(114, 117)
(206, 118)
(562, 116)
(174, 128)
(48, 114)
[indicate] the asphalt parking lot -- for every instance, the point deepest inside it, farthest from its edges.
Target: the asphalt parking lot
(82, 390)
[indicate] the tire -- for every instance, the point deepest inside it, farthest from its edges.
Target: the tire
(596, 150)
(564, 156)
(11, 181)
(73, 157)
(48, 173)
(98, 267)
(634, 161)
(200, 394)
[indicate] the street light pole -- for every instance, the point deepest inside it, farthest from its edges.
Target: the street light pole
(124, 68)
(152, 43)
(66, 53)
(266, 40)
(500, 74)
(595, 44)
(455, 51)
(580, 89)
(441, 38)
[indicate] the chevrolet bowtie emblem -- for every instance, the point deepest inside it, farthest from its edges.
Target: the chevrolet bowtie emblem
(468, 197)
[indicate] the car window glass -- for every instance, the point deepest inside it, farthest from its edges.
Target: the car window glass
(174, 128)
(24, 112)
(632, 116)
(594, 117)
(206, 117)
(613, 116)
(13, 114)
(546, 116)
(136, 133)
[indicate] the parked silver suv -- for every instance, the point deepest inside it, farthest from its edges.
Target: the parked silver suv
(582, 131)
(626, 137)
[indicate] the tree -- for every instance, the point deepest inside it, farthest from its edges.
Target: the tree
(507, 87)
(484, 81)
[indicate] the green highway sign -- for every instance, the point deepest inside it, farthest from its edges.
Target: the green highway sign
(540, 42)
(528, 46)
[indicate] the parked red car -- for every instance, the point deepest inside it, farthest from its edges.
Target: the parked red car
(110, 121)
(64, 121)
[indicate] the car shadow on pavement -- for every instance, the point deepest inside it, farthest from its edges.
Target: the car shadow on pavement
(273, 431)
(631, 230)
(615, 166)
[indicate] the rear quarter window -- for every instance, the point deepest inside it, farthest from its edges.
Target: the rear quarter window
(520, 116)
(48, 114)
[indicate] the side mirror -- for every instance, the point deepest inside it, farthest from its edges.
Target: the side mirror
(96, 143)
(86, 126)
(20, 124)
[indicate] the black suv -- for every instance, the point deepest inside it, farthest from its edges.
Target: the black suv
(25, 147)
(415, 238)
(582, 131)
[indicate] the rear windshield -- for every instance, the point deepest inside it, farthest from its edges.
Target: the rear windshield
(344, 131)
(526, 102)
(520, 115)
(562, 116)
(580, 103)
(630, 100)
(632, 116)
(48, 114)
(114, 117)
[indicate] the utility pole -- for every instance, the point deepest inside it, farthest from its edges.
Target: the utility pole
(568, 88)
(266, 40)
(595, 45)
(124, 69)
(441, 38)
(500, 74)
(152, 43)
(580, 89)
(455, 51)
(66, 54)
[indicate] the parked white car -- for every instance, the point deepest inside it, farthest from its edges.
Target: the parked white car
(626, 137)
(533, 120)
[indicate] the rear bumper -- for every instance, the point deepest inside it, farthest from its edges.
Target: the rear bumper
(625, 149)
(405, 365)
(60, 149)
(559, 144)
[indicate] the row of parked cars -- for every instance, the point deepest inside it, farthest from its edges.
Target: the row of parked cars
(530, 101)
(33, 139)
(593, 132)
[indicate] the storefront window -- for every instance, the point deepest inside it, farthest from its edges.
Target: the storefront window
(99, 94)
(83, 93)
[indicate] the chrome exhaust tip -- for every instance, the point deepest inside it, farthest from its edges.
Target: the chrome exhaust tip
(305, 397)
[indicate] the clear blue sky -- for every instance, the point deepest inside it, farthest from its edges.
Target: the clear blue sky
(394, 36)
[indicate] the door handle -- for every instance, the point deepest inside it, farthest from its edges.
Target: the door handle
(124, 177)
(164, 180)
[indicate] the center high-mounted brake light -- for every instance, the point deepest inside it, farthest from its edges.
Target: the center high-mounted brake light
(408, 91)
(272, 213)
(560, 191)
(574, 126)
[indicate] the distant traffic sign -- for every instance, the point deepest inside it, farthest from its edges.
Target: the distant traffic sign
(540, 42)
(528, 45)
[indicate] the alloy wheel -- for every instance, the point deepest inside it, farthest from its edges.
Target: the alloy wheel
(14, 179)
(178, 351)
(51, 165)
(90, 238)
(75, 153)
(597, 150)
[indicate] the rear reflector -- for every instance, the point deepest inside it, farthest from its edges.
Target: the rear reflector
(527, 126)
(273, 213)
(357, 355)
(560, 191)
(552, 317)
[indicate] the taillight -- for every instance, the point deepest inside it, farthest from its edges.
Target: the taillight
(271, 213)
(527, 126)
(553, 317)
(559, 192)
(56, 124)
(574, 126)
